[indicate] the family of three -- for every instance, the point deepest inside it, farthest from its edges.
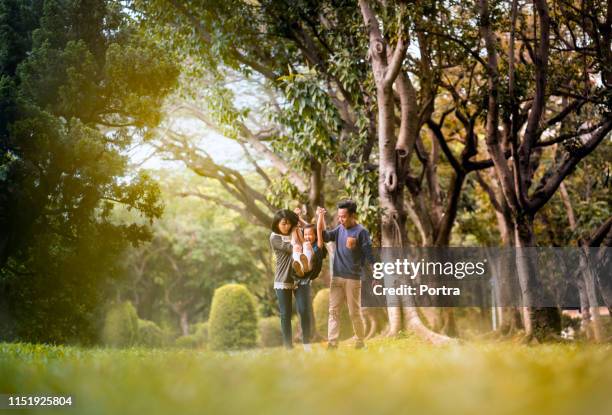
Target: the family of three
(299, 250)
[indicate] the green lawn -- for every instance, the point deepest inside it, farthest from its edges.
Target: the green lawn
(394, 377)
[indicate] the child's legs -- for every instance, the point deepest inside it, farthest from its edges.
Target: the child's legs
(308, 251)
(297, 254)
(299, 257)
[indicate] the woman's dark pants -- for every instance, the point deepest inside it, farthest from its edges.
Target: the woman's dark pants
(302, 301)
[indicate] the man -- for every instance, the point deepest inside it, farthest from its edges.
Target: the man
(353, 250)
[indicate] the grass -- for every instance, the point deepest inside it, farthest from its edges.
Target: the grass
(390, 377)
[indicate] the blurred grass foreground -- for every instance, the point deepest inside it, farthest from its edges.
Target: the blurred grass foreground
(391, 376)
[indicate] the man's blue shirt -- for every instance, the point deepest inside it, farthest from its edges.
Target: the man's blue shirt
(349, 263)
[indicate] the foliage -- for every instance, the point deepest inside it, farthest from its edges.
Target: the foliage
(202, 332)
(195, 248)
(233, 319)
(590, 195)
(77, 88)
(310, 61)
(121, 325)
(149, 334)
(270, 334)
(189, 341)
(293, 99)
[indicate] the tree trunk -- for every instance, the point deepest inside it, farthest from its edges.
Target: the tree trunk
(386, 66)
(413, 323)
(591, 293)
(395, 320)
(540, 322)
(184, 322)
(510, 316)
(315, 194)
(445, 321)
(585, 314)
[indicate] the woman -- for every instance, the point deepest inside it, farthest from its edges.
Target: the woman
(284, 229)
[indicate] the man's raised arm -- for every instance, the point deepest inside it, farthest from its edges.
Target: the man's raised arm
(320, 226)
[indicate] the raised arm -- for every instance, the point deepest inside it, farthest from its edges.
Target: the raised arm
(297, 236)
(321, 226)
(301, 219)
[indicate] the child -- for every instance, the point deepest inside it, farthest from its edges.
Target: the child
(302, 247)
(319, 252)
(313, 237)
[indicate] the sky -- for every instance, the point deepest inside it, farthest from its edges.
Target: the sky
(222, 150)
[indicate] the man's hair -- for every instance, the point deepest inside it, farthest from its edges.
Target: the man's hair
(349, 205)
(284, 214)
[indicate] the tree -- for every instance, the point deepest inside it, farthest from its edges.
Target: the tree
(418, 79)
(195, 248)
(77, 86)
(549, 54)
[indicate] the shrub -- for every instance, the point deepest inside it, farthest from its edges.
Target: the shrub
(190, 341)
(270, 334)
(120, 325)
(320, 305)
(233, 320)
(149, 334)
(200, 330)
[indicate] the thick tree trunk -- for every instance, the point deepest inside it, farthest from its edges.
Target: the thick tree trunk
(585, 314)
(510, 316)
(394, 315)
(445, 321)
(386, 66)
(390, 190)
(413, 323)
(540, 322)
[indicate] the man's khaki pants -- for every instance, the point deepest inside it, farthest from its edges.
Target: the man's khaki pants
(342, 289)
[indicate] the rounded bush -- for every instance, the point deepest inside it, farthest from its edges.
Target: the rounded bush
(120, 325)
(200, 330)
(270, 334)
(233, 320)
(190, 341)
(149, 334)
(320, 307)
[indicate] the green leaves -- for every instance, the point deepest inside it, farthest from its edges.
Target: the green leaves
(83, 91)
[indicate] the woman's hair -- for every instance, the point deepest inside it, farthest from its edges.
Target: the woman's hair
(284, 214)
